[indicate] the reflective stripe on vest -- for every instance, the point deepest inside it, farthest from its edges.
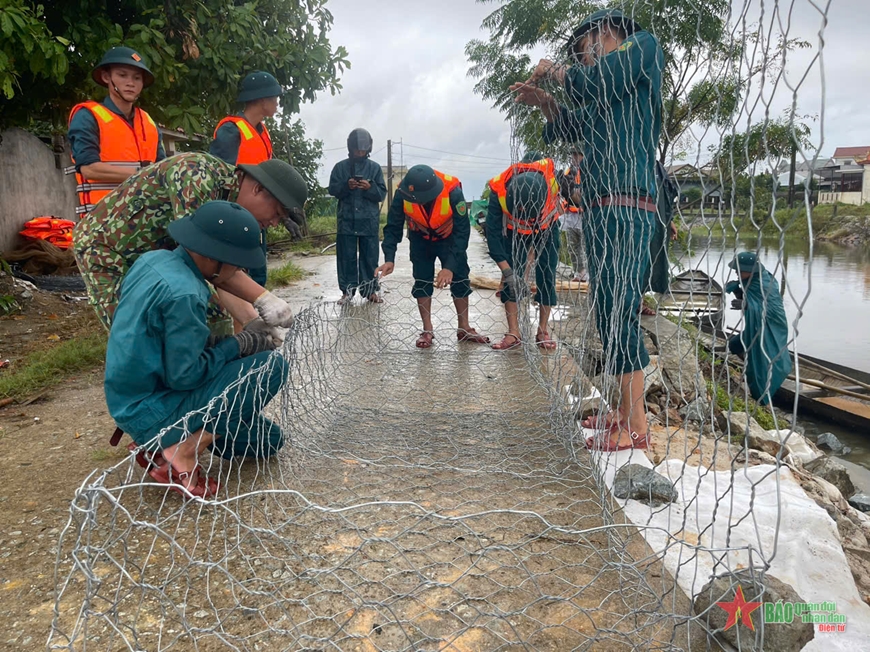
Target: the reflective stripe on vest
(255, 146)
(439, 224)
(549, 215)
(121, 145)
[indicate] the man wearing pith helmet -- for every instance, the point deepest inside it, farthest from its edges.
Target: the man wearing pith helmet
(134, 219)
(113, 139)
(243, 138)
(614, 94)
(167, 374)
(433, 205)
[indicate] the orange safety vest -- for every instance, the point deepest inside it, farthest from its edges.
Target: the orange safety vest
(51, 229)
(255, 147)
(498, 185)
(438, 225)
(121, 144)
(571, 207)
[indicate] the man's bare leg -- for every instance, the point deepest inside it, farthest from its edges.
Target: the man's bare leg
(631, 407)
(462, 313)
(424, 305)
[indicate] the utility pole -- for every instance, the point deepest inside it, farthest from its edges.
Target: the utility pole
(389, 172)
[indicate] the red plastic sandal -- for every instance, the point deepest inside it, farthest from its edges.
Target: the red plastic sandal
(204, 487)
(607, 445)
(471, 335)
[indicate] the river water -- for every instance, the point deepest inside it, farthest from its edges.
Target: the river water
(827, 300)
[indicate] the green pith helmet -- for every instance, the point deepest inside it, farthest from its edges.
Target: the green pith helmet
(612, 16)
(531, 156)
(526, 195)
(121, 56)
(421, 185)
(257, 85)
(222, 231)
(281, 180)
(745, 261)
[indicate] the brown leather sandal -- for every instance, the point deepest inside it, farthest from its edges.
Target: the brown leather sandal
(425, 339)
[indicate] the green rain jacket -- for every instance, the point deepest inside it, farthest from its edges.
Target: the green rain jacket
(765, 337)
(157, 347)
(359, 211)
(618, 118)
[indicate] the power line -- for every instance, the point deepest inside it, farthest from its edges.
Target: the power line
(441, 151)
(480, 165)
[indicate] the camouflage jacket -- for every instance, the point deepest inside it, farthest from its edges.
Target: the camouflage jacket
(133, 219)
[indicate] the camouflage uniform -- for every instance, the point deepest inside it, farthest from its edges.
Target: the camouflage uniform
(133, 220)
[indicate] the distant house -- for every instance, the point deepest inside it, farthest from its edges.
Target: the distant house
(845, 178)
(173, 137)
(688, 176)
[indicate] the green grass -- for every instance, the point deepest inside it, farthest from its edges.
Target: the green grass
(43, 369)
(791, 220)
(321, 232)
(727, 403)
(284, 275)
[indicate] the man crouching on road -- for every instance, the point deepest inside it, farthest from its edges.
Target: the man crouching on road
(167, 376)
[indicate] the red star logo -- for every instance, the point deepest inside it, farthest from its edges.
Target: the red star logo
(739, 609)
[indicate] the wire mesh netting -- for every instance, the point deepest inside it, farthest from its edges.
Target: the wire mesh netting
(453, 497)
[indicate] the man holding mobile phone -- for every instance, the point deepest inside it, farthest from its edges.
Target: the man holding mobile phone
(358, 184)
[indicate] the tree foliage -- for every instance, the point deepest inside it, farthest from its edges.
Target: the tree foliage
(702, 85)
(197, 49)
(765, 145)
(290, 144)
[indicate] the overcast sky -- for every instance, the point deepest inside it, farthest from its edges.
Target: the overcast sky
(409, 83)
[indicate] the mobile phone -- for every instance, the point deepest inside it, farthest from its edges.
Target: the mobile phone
(358, 177)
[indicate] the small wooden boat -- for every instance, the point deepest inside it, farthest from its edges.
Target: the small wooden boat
(695, 297)
(829, 391)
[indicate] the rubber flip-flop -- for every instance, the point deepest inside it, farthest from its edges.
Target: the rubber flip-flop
(425, 339)
(505, 346)
(544, 341)
(471, 335)
(145, 458)
(601, 421)
(205, 487)
(605, 445)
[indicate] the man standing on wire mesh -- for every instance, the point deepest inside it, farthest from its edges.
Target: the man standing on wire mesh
(571, 219)
(134, 219)
(523, 220)
(167, 375)
(434, 207)
(614, 89)
(358, 184)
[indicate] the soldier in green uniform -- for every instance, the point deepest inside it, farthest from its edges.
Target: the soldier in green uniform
(358, 184)
(167, 376)
(614, 88)
(434, 207)
(134, 219)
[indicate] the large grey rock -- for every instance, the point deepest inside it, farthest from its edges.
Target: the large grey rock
(643, 484)
(781, 637)
(677, 358)
(835, 473)
(697, 411)
(745, 428)
(861, 502)
(829, 441)
(653, 382)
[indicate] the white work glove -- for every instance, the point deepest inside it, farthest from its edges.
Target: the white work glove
(274, 311)
(275, 332)
(510, 279)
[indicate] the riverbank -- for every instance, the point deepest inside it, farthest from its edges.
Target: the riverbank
(839, 223)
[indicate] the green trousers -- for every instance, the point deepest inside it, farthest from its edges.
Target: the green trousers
(546, 248)
(618, 255)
